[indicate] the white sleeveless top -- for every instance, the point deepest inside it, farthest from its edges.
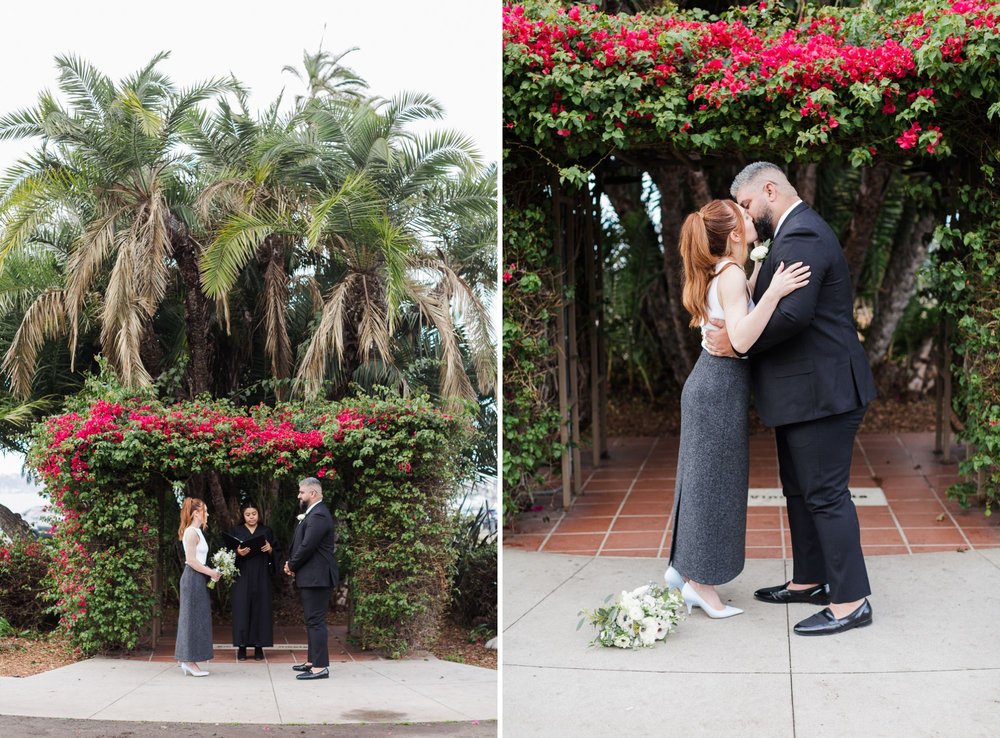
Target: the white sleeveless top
(201, 552)
(714, 306)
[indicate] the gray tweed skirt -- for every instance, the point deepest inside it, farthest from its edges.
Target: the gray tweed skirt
(710, 502)
(194, 621)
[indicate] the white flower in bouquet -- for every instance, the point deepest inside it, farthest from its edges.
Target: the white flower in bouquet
(623, 621)
(225, 561)
(636, 619)
(650, 626)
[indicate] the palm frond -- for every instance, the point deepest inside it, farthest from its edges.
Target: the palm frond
(235, 245)
(187, 100)
(327, 342)
(123, 316)
(89, 91)
(22, 415)
(373, 327)
(349, 205)
(85, 262)
(395, 244)
(29, 204)
(44, 319)
(21, 124)
(277, 344)
(409, 107)
(153, 248)
(434, 306)
(150, 122)
(477, 318)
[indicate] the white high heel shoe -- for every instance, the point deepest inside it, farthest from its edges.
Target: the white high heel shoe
(693, 599)
(673, 578)
(192, 672)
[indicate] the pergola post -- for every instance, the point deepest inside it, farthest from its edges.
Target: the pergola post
(561, 349)
(573, 241)
(592, 264)
(942, 391)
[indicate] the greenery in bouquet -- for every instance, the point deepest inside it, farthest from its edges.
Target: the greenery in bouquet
(638, 618)
(225, 561)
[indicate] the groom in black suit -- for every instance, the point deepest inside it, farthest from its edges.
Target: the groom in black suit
(314, 567)
(812, 382)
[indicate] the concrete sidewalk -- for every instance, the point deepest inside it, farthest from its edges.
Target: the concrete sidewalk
(928, 666)
(383, 691)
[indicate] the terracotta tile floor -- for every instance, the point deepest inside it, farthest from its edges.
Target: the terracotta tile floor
(289, 647)
(626, 505)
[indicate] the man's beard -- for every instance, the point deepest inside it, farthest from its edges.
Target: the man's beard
(303, 505)
(764, 223)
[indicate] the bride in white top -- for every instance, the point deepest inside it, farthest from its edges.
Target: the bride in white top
(709, 541)
(194, 620)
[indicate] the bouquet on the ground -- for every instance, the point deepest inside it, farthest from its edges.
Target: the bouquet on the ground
(225, 561)
(637, 618)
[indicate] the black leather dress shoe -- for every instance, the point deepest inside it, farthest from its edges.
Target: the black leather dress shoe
(302, 667)
(322, 674)
(824, 623)
(782, 595)
(258, 653)
(241, 654)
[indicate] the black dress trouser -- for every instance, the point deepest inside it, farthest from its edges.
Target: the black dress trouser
(315, 601)
(814, 461)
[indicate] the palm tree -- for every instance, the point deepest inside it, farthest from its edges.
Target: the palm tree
(349, 199)
(324, 76)
(111, 163)
(260, 176)
(423, 181)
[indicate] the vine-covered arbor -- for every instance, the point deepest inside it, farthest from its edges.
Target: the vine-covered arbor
(885, 116)
(391, 466)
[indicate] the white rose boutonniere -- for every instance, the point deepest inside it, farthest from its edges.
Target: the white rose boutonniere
(759, 252)
(300, 517)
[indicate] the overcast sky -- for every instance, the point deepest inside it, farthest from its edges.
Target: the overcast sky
(447, 48)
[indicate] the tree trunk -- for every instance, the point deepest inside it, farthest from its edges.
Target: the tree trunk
(805, 183)
(908, 252)
(13, 524)
(668, 179)
(861, 229)
(700, 190)
(657, 308)
(198, 311)
(227, 519)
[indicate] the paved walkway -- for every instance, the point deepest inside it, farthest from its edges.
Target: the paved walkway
(362, 688)
(625, 509)
(928, 666)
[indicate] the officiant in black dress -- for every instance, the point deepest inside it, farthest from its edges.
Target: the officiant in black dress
(256, 551)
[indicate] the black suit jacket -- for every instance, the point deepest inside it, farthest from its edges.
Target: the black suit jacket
(311, 555)
(808, 363)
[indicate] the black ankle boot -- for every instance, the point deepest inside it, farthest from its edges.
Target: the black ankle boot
(258, 653)
(241, 654)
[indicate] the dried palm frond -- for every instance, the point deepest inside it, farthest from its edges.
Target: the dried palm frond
(433, 304)
(277, 344)
(45, 319)
(328, 341)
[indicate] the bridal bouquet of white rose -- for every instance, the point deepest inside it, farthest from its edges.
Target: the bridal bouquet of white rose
(225, 561)
(637, 618)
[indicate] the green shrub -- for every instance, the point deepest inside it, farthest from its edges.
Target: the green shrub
(24, 565)
(474, 586)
